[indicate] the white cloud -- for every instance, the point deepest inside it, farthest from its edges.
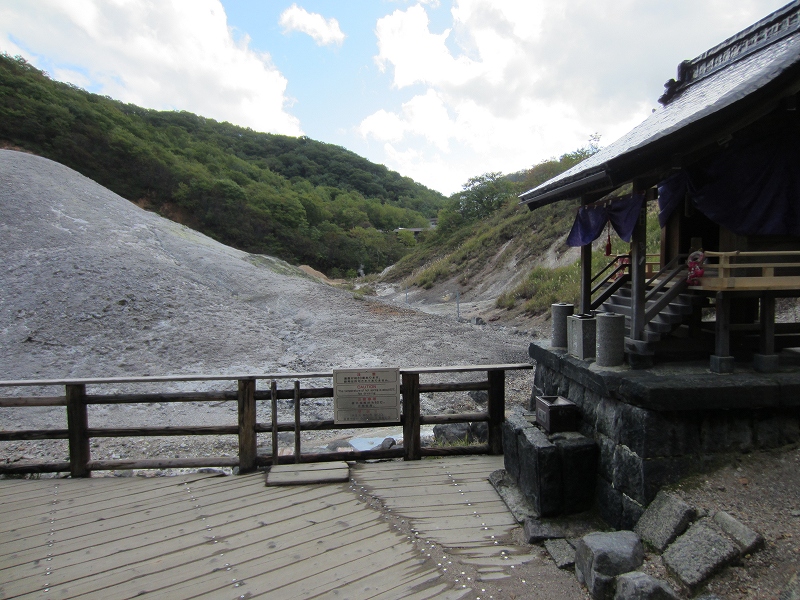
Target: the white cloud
(323, 31)
(158, 54)
(512, 82)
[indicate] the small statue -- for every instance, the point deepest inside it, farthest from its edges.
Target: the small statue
(695, 264)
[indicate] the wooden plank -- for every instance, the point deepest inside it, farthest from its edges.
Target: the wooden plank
(155, 558)
(301, 475)
(34, 401)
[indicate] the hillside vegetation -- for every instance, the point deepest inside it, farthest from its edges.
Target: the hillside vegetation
(484, 223)
(295, 198)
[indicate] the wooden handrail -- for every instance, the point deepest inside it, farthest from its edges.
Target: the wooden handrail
(76, 400)
(726, 278)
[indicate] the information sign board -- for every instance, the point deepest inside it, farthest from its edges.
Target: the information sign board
(366, 396)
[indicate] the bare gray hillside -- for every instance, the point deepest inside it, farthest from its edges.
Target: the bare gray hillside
(92, 285)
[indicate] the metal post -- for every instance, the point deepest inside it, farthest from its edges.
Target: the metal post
(458, 304)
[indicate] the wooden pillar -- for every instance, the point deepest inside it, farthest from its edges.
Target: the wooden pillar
(586, 270)
(722, 361)
(297, 445)
(411, 434)
(274, 406)
(247, 425)
(586, 279)
(637, 270)
(78, 424)
(767, 341)
(497, 410)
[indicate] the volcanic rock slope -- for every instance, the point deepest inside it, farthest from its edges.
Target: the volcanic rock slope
(92, 285)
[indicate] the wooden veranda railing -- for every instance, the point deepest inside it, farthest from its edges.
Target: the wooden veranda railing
(76, 400)
(751, 271)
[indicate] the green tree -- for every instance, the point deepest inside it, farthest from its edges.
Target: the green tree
(482, 195)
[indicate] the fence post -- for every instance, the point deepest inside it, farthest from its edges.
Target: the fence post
(297, 444)
(78, 423)
(497, 410)
(411, 435)
(274, 405)
(247, 425)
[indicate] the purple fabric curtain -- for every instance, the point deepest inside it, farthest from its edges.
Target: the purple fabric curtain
(671, 193)
(754, 189)
(589, 222)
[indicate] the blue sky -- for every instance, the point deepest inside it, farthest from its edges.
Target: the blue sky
(439, 90)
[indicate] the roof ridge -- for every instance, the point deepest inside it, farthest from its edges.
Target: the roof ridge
(765, 32)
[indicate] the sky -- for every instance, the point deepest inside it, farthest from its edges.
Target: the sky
(437, 90)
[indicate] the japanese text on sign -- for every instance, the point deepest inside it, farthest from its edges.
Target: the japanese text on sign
(366, 395)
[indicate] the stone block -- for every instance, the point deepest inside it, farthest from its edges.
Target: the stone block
(721, 364)
(479, 432)
(631, 512)
(451, 433)
(537, 530)
(606, 449)
(627, 473)
(766, 363)
(640, 586)
(578, 456)
(608, 503)
(665, 519)
(699, 553)
(745, 538)
(658, 472)
(540, 471)
(582, 336)
(510, 450)
(601, 557)
(561, 551)
(607, 418)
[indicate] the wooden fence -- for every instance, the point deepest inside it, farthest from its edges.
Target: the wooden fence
(78, 433)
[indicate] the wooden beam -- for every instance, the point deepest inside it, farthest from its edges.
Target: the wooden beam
(78, 423)
(767, 337)
(297, 426)
(497, 410)
(247, 425)
(411, 433)
(274, 406)
(638, 270)
(722, 343)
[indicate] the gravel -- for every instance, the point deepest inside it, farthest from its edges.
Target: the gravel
(94, 286)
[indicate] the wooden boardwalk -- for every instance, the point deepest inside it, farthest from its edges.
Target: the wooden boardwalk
(201, 536)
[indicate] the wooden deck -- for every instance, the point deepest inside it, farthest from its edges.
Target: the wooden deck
(232, 537)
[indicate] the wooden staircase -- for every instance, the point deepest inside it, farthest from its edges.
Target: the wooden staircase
(671, 316)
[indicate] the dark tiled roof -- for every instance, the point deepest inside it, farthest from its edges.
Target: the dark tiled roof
(715, 80)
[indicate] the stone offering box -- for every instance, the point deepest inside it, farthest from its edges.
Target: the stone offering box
(555, 414)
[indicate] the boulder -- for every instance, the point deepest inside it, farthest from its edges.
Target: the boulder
(601, 557)
(744, 537)
(699, 553)
(664, 520)
(641, 586)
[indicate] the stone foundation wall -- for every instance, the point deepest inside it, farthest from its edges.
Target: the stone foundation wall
(643, 449)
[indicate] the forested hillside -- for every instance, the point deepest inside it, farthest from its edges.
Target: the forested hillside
(482, 229)
(295, 198)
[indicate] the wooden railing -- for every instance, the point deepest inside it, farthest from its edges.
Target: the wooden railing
(78, 433)
(751, 271)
